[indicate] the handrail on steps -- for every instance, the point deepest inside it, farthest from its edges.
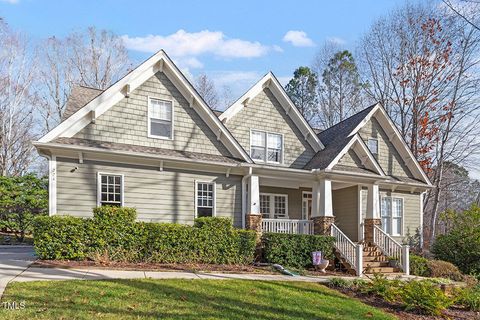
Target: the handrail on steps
(392, 249)
(350, 251)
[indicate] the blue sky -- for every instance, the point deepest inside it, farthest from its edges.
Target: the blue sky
(234, 42)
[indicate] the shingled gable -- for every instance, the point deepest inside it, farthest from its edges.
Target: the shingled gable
(78, 98)
(271, 82)
(122, 88)
(339, 137)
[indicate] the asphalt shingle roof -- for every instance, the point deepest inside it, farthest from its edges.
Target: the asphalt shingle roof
(78, 98)
(147, 150)
(335, 139)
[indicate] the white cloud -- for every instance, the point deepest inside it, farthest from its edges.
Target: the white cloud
(10, 1)
(238, 81)
(298, 38)
(336, 40)
(189, 44)
(188, 62)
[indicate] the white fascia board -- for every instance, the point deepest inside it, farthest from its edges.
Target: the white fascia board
(358, 146)
(399, 143)
(361, 144)
(270, 81)
(114, 94)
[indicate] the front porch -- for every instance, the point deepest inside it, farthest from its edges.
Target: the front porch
(348, 211)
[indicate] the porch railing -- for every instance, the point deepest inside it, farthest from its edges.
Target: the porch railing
(350, 251)
(287, 226)
(392, 249)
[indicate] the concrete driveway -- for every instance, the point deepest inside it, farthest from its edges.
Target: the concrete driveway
(13, 261)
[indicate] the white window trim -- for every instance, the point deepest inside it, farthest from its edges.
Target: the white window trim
(368, 145)
(99, 187)
(272, 204)
(266, 147)
(214, 211)
(149, 122)
(391, 216)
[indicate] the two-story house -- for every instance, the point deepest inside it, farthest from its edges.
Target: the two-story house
(149, 141)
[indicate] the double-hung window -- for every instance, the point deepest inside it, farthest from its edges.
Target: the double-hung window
(392, 215)
(274, 206)
(266, 146)
(372, 145)
(110, 190)
(205, 199)
(160, 118)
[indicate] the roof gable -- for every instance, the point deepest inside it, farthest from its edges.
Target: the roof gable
(122, 88)
(395, 138)
(271, 82)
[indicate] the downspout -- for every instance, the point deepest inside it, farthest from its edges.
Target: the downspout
(244, 195)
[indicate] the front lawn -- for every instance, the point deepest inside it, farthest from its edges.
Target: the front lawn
(181, 299)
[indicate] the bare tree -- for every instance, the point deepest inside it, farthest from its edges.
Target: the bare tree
(422, 65)
(226, 97)
(91, 58)
(206, 89)
(17, 72)
(468, 10)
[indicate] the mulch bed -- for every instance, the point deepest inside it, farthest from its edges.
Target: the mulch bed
(397, 310)
(169, 267)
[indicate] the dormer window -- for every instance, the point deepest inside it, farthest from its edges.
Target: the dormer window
(160, 118)
(372, 145)
(266, 146)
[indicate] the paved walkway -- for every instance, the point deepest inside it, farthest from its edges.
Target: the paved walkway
(13, 261)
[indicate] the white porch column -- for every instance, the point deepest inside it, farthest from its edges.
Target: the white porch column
(253, 203)
(372, 216)
(322, 199)
(373, 202)
(322, 209)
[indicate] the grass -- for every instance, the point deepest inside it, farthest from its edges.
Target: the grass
(181, 299)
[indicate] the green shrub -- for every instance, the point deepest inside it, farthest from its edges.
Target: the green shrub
(461, 245)
(425, 297)
(22, 198)
(419, 266)
(443, 269)
(388, 290)
(470, 298)
(60, 238)
(113, 235)
(294, 250)
(340, 283)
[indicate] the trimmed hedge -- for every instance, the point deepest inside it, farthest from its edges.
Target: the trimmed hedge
(294, 250)
(113, 233)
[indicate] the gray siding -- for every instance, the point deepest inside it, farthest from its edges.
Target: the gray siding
(388, 157)
(411, 210)
(265, 113)
(345, 210)
(159, 196)
(127, 121)
(351, 159)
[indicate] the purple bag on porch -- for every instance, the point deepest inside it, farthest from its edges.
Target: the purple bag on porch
(316, 258)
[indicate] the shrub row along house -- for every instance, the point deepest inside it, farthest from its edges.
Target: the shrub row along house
(151, 142)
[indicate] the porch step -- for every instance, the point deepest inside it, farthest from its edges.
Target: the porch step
(382, 270)
(374, 258)
(375, 264)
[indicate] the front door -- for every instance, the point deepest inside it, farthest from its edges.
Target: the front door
(306, 205)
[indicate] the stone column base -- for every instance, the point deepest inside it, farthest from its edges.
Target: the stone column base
(368, 226)
(254, 222)
(322, 225)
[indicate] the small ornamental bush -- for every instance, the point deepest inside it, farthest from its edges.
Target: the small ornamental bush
(419, 266)
(425, 297)
(114, 235)
(470, 298)
(340, 283)
(295, 250)
(443, 269)
(388, 290)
